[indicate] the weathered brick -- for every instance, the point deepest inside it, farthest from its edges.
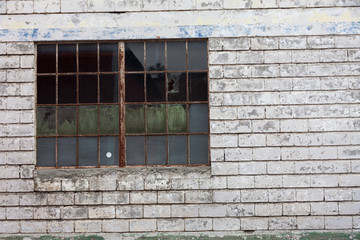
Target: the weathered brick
(115, 226)
(9, 227)
(46, 6)
(88, 226)
(157, 211)
(47, 213)
(143, 197)
(173, 225)
(198, 197)
(129, 211)
(203, 224)
(15, 7)
(338, 223)
(254, 223)
(61, 226)
(33, 226)
(142, 225)
(73, 212)
(279, 223)
(187, 210)
(102, 212)
(310, 222)
(19, 213)
(268, 209)
(226, 224)
(327, 208)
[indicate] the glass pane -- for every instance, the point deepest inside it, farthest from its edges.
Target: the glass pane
(134, 56)
(67, 58)
(45, 152)
(156, 150)
(198, 87)
(177, 150)
(88, 89)
(155, 87)
(46, 58)
(67, 151)
(88, 120)
(88, 151)
(134, 88)
(134, 119)
(67, 121)
(45, 120)
(176, 86)
(109, 57)
(197, 56)
(198, 115)
(109, 88)
(88, 57)
(46, 90)
(67, 89)
(199, 149)
(109, 151)
(109, 119)
(155, 56)
(176, 56)
(177, 121)
(135, 150)
(155, 118)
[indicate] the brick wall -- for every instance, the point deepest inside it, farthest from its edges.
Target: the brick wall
(285, 137)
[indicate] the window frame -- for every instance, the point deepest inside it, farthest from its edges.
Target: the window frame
(121, 101)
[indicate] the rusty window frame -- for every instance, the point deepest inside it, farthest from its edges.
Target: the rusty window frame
(121, 102)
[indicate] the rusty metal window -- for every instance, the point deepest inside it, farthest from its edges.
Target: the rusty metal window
(122, 104)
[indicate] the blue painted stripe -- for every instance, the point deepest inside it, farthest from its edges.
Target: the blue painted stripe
(199, 31)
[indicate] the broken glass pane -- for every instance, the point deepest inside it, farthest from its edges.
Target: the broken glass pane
(88, 57)
(134, 119)
(67, 89)
(134, 56)
(46, 58)
(67, 151)
(88, 88)
(176, 86)
(198, 115)
(67, 58)
(109, 151)
(88, 151)
(67, 120)
(156, 150)
(156, 118)
(109, 119)
(46, 90)
(177, 121)
(177, 150)
(45, 120)
(198, 87)
(109, 88)
(134, 88)
(135, 150)
(155, 87)
(197, 55)
(109, 57)
(199, 149)
(176, 56)
(88, 120)
(45, 152)
(155, 56)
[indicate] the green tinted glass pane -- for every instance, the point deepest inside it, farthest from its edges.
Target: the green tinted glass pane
(88, 120)
(156, 118)
(45, 120)
(134, 119)
(177, 118)
(109, 119)
(67, 120)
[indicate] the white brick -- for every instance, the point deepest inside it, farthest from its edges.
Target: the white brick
(102, 212)
(184, 211)
(203, 224)
(265, 126)
(222, 58)
(235, 43)
(309, 195)
(254, 196)
(329, 208)
(282, 223)
(88, 226)
(14, 7)
(33, 226)
(46, 6)
(173, 225)
(251, 112)
(238, 154)
(226, 224)
(223, 113)
(47, 213)
(294, 153)
(264, 43)
(349, 208)
(157, 211)
(246, 57)
(254, 223)
(338, 223)
(268, 153)
(61, 226)
(9, 227)
(280, 167)
(129, 211)
(349, 180)
(347, 41)
(296, 181)
(237, 210)
(252, 168)
(101, 6)
(19, 213)
(268, 182)
(223, 196)
(226, 168)
(212, 210)
(251, 140)
(280, 139)
(204, 4)
(240, 182)
(143, 197)
(296, 209)
(171, 197)
(321, 42)
(73, 5)
(277, 56)
(268, 209)
(324, 180)
(310, 222)
(337, 194)
(281, 195)
(224, 140)
(198, 197)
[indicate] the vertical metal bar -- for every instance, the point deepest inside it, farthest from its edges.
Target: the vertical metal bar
(78, 101)
(98, 100)
(56, 107)
(145, 100)
(122, 146)
(208, 97)
(166, 108)
(187, 106)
